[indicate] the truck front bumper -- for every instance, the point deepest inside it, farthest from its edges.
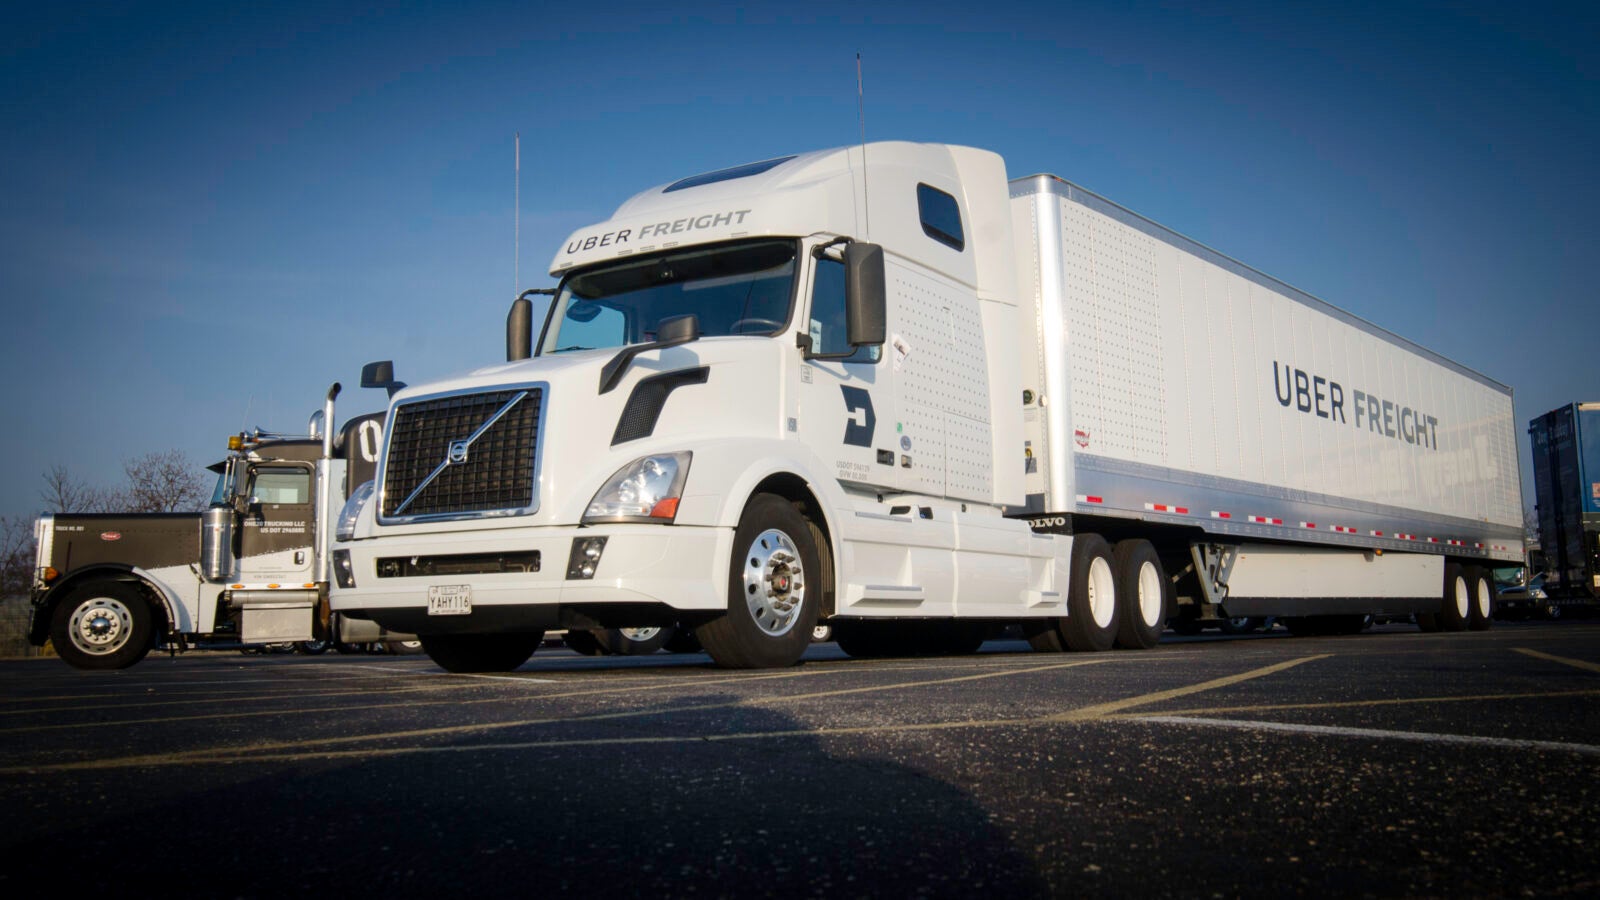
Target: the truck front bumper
(390, 579)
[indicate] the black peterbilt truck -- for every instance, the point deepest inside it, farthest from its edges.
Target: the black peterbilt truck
(252, 568)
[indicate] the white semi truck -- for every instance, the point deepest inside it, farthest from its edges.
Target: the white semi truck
(885, 388)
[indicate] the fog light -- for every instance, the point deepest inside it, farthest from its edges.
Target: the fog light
(343, 571)
(585, 557)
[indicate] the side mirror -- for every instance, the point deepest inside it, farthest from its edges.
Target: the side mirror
(380, 375)
(865, 294)
(519, 330)
(670, 332)
(675, 330)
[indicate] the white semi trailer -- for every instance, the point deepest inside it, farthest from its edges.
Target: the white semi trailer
(883, 387)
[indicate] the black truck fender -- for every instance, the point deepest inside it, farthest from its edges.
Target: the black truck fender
(44, 603)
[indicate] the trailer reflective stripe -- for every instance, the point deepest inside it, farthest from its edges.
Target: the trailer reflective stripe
(1089, 498)
(1265, 520)
(1221, 515)
(1164, 508)
(1308, 524)
(1377, 534)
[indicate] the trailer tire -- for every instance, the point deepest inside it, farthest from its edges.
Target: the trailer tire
(1455, 608)
(103, 625)
(772, 602)
(633, 641)
(1142, 593)
(403, 648)
(467, 653)
(1482, 615)
(1091, 622)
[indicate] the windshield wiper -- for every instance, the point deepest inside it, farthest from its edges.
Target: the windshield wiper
(573, 347)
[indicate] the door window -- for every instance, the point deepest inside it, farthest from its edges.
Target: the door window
(829, 334)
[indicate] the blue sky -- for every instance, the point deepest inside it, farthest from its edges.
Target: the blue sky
(210, 213)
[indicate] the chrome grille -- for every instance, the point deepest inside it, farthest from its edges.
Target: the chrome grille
(439, 463)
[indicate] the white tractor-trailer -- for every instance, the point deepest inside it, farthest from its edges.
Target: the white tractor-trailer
(884, 387)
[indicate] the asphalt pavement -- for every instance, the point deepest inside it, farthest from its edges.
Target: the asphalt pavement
(1392, 763)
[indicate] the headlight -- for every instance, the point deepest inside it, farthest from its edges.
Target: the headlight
(645, 490)
(345, 530)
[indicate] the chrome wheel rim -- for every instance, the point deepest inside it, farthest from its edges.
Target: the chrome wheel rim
(639, 635)
(774, 582)
(100, 626)
(1462, 598)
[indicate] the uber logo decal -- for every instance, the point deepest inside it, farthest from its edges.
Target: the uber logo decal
(858, 429)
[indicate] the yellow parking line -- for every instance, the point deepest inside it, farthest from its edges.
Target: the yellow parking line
(1575, 663)
(1355, 704)
(401, 703)
(1101, 710)
(275, 750)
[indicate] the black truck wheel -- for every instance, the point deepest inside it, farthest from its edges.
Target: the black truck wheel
(1481, 617)
(1091, 622)
(102, 625)
(633, 641)
(772, 602)
(1455, 608)
(1142, 595)
(466, 653)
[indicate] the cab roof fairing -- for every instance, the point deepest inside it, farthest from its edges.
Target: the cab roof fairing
(811, 193)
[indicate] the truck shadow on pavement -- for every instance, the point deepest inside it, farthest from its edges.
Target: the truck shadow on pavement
(703, 798)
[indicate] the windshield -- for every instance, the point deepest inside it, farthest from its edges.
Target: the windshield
(742, 288)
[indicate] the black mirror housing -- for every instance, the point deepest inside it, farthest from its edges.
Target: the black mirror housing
(380, 374)
(865, 294)
(674, 330)
(519, 330)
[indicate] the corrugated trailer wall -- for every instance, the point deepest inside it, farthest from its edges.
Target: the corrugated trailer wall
(1174, 384)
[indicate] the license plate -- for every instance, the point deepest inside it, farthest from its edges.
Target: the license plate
(450, 600)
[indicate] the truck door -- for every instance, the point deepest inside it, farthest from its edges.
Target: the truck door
(846, 405)
(277, 531)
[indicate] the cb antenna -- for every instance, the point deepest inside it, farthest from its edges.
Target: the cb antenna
(861, 117)
(516, 220)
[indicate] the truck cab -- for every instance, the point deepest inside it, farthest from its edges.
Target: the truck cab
(761, 396)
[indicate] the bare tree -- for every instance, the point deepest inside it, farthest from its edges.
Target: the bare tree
(64, 494)
(167, 481)
(164, 481)
(16, 555)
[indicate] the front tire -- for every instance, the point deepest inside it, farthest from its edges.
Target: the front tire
(103, 625)
(468, 653)
(772, 604)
